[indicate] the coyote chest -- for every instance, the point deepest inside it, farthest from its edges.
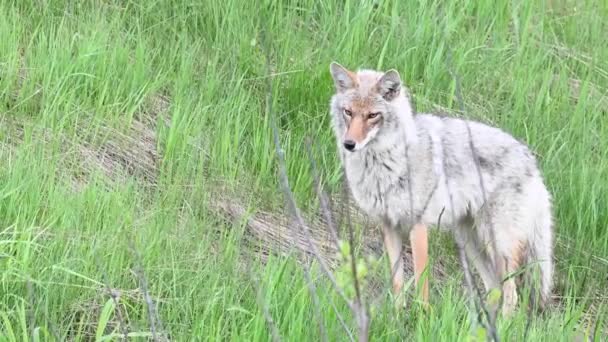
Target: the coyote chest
(386, 189)
(379, 183)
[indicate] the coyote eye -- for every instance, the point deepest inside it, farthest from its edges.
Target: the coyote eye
(372, 115)
(348, 112)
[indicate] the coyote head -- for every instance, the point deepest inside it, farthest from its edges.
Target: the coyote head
(365, 104)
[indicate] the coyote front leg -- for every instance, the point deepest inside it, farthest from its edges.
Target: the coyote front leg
(420, 248)
(392, 243)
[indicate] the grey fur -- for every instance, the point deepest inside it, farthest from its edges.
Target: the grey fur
(517, 210)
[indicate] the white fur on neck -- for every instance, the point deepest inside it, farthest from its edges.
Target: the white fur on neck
(403, 109)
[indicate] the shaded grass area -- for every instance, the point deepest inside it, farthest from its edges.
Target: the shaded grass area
(116, 115)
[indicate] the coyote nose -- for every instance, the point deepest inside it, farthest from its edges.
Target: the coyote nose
(349, 145)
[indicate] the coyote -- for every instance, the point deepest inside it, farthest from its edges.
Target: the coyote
(406, 170)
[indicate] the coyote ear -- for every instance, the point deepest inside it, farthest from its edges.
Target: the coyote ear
(389, 85)
(343, 78)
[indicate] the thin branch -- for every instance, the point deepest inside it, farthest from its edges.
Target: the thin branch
(428, 201)
(356, 307)
(351, 241)
(473, 289)
(290, 201)
(284, 182)
(474, 153)
(315, 301)
(325, 208)
(341, 320)
(491, 326)
(363, 319)
(323, 201)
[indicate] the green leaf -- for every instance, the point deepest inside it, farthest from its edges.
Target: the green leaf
(104, 318)
(494, 296)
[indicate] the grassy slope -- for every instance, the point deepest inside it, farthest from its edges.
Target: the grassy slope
(71, 73)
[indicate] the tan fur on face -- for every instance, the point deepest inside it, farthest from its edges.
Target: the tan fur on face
(357, 128)
(359, 124)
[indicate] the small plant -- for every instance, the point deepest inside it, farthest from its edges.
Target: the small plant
(344, 273)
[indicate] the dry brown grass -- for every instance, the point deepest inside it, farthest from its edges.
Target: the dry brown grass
(272, 232)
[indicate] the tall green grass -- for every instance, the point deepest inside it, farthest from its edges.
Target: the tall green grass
(76, 74)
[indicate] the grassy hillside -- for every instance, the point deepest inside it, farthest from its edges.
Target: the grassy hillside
(120, 118)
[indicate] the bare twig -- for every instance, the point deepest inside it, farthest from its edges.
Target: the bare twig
(290, 201)
(325, 208)
(315, 301)
(491, 319)
(356, 306)
(341, 320)
(359, 308)
(323, 200)
(473, 289)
